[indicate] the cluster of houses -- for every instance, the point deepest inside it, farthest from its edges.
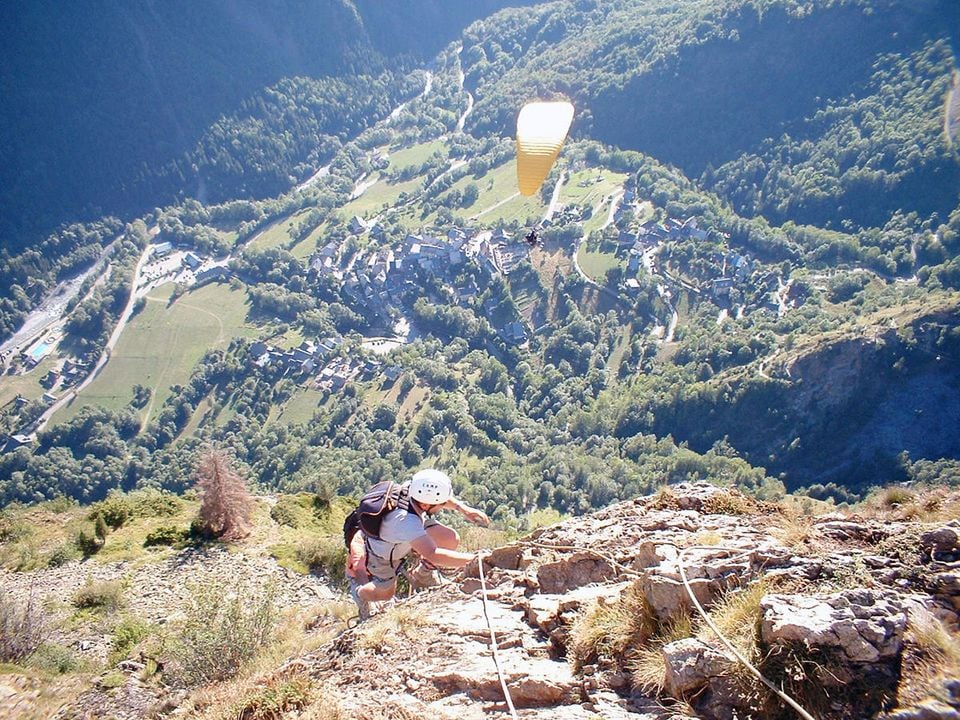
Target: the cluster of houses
(497, 251)
(733, 269)
(320, 360)
(71, 372)
(380, 277)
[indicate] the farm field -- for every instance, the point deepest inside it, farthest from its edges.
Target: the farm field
(378, 195)
(300, 408)
(590, 187)
(278, 234)
(596, 264)
(416, 155)
(498, 200)
(201, 320)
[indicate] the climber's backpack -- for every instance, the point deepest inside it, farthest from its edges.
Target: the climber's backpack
(374, 505)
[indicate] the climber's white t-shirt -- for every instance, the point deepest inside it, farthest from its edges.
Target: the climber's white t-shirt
(397, 531)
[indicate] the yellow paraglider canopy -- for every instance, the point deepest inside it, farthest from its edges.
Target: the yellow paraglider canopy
(541, 129)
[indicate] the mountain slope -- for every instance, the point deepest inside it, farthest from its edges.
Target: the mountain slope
(847, 613)
(98, 92)
(699, 84)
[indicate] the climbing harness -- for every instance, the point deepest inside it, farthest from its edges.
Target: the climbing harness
(687, 584)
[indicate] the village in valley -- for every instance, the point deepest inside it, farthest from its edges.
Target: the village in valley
(381, 278)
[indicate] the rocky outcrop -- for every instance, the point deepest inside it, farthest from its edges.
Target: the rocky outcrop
(860, 625)
(541, 587)
(834, 629)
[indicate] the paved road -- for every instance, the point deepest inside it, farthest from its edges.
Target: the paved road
(67, 398)
(463, 118)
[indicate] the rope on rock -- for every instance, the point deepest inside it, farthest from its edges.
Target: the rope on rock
(687, 584)
(736, 653)
(493, 641)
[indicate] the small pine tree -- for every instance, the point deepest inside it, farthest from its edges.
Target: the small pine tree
(225, 503)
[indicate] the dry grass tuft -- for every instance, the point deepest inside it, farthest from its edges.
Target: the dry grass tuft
(931, 655)
(397, 621)
(737, 614)
(325, 708)
(106, 595)
(920, 504)
(664, 499)
(609, 630)
(647, 666)
(274, 698)
(707, 537)
(730, 502)
(793, 528)
(294, 638)
(474, 538)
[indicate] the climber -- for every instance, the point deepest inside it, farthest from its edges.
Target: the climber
(410, 527)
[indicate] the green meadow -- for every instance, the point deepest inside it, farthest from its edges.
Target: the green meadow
(163, 343)
(596, 264)
(416, 155)
(378, 196)
(499, 200)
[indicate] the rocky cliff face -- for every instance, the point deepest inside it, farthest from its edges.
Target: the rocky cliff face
(842, 407)
(837, 625)
(854, 617)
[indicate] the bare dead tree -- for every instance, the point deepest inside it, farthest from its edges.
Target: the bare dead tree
(225, 503)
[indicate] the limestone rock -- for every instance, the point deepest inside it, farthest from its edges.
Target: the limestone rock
(575, 571)
(691, 664)
(943, 540)
(865, 626)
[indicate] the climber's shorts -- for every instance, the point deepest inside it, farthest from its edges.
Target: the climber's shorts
(382, 572)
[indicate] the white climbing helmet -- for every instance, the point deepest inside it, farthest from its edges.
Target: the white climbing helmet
(431, 487)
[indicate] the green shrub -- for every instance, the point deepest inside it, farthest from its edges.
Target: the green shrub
(13, 529)
(56, 658)
(118, 507)
(288, 511)
(324, 554)
(151, 502)
(100, 529)
(112, 680)
(275, 698)
(115, 510)
(126, 635)
(199, 532)
(88, 543)
(223, 628)
(65, 553)
(104, 595)
(166, 535)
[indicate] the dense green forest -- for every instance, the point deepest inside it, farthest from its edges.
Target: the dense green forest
(826, 363)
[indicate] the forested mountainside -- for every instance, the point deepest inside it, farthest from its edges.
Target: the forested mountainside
(700, 84)
(100, 96)
(343, 293)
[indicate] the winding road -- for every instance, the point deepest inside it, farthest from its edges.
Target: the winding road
(463, 117)
(107, 350)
